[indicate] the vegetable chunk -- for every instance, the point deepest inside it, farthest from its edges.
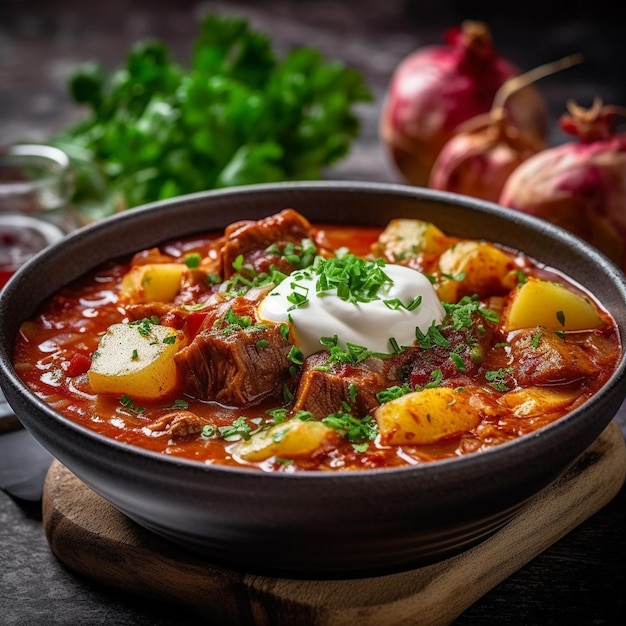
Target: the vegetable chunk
(136, 359)
(550, 305)
(287, 439)
(535, 401)
(425, 417)
(154, 282)
(407, 238)
(471, 267)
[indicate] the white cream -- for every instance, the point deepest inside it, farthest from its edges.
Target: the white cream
(368, 324)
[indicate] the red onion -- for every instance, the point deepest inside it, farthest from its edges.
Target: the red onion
(484, 151)
(581, 185)
(438, 87)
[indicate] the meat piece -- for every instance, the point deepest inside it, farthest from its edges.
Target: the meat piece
(457, 361)
(178, 424)
(541, 357)
(235, 367)
(324, 391)
(252, 238)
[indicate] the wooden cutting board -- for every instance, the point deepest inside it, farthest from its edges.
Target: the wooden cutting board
(94, 539)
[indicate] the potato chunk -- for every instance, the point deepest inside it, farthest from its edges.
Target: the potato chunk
(136, 359)
(153, 282)
(427, 416)
(288, 439)
(535, 401)
(471, 267)
(407, 238)
(550, 305)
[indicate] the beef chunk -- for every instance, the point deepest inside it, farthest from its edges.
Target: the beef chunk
(457, 356)
(324, 391)
(235, 368)
(541, 357)
(252, 238)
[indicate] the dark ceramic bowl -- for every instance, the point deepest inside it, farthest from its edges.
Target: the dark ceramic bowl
(314, 525)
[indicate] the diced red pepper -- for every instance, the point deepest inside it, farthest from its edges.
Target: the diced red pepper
(79, 364)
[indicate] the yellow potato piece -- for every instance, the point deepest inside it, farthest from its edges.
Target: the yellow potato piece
(427, 416)
(154, 282)
(534, 401)
(406, 238)
(543, 303)
(288, 439)
(134, 363)
(474, 267)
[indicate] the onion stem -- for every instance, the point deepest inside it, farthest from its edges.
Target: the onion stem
(516, 83)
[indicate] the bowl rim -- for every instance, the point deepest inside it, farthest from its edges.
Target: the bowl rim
(523, 446)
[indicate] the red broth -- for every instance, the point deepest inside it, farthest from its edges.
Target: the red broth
(514, 381)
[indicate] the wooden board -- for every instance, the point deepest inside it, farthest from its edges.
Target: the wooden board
(94, 539)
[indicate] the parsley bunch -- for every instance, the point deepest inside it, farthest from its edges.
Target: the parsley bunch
(238, 115)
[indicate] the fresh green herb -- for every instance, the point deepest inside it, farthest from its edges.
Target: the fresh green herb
(179, 404)
(456, 277)
(237, 115)
(144, 326)
(498, 378)
(561, 317)
(395, 304)
(281, 461)
(239, 429)
(299, 255)
(297, 298)
(352, 428)
(436, 376)
(536, 339)
(353, 278)
(135, 355)
(352, 392)
(392, 393)
(461, 312)
(353, 353)
(431, 338)
(458, 361)
(295, 355)
(170, 339)
(127, 402)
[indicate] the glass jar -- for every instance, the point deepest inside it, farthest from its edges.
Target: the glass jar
(36, 187)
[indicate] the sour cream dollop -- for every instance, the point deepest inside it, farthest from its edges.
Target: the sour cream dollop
(368, 324)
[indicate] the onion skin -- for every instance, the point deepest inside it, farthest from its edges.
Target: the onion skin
(579, 185)
(477, 162)
(438, 87)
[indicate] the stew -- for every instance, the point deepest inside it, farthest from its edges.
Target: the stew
(286, 346)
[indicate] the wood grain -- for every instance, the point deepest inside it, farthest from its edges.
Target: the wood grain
(92, 538)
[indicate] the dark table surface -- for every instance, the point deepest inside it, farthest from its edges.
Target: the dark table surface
(579, 580)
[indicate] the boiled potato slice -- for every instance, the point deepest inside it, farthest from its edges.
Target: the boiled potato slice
(471, 267)
(136, 359)
(287, 439)
(426, 416)
(538, 400)
(154, 282)
(550, 305)
(406, 238)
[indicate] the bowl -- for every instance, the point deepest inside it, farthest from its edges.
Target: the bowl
(314, 525)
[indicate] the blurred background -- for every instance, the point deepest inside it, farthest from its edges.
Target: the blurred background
(41, 42)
